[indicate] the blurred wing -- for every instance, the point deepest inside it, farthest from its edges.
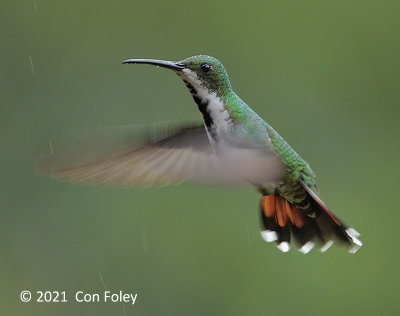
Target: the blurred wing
(160, 156)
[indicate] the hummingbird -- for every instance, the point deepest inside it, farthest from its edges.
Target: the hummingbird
(232, 145)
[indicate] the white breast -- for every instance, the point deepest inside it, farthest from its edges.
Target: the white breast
(216, 109)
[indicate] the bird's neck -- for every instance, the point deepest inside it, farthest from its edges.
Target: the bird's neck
(219, 110)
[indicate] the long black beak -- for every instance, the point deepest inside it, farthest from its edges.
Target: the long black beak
(161, 63)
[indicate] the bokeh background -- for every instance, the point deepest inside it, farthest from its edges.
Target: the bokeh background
(325, 74)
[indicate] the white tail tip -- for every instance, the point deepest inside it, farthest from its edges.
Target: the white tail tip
(269, 235)
(351, 231)
(306, 248)
(353, 234)
(284, 246)
(327, 245)
(354, 249)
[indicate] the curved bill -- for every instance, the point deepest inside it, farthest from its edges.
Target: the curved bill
(161, 63)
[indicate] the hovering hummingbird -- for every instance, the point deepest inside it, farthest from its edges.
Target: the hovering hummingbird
(233, 145)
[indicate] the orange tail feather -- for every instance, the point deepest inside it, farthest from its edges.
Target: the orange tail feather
(282, 219)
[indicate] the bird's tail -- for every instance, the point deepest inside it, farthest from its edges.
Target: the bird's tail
(282, 220)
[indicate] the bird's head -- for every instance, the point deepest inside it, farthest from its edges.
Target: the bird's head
(199, 72)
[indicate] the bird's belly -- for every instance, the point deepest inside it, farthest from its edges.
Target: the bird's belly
(257, 166)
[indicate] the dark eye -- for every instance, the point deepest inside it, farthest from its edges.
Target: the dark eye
(205, 67)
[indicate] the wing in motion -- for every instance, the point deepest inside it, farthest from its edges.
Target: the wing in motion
(163, 155)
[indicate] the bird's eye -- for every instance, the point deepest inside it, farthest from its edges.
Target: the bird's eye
(205, 67)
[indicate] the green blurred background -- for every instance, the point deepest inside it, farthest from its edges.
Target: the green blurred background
(325, 74)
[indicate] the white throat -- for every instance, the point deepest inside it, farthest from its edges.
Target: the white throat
(215, 116)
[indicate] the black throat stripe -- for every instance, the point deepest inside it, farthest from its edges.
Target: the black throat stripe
(202, 106)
